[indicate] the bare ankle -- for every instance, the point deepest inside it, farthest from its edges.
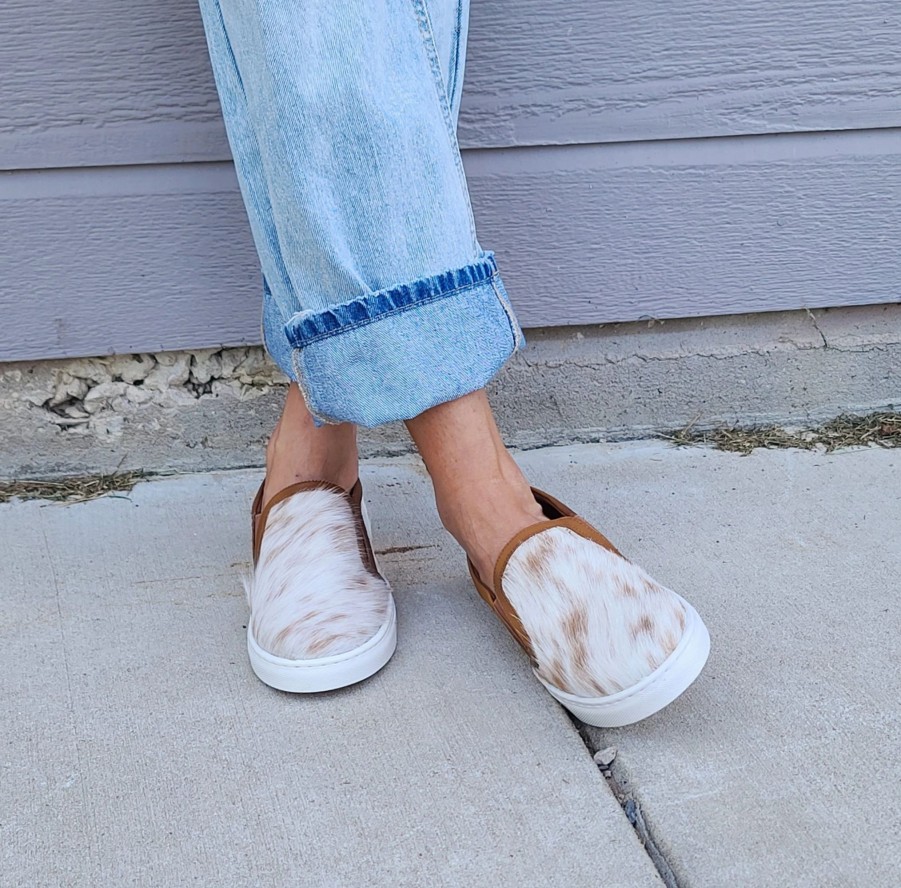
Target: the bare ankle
(298, 450)
(483, 498)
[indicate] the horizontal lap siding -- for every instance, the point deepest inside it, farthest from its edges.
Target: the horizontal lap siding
(164, 259)
(122, 229)
(104, 82)
(563, 72)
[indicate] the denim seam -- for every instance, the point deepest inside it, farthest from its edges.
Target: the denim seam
(508, 311)
(277, 253)
(428, 38)
(299, 379)
(296, 359)
(425, 300)
(263, 310)
(455, 59)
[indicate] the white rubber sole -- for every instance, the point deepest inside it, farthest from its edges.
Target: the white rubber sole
(325, 673)
(652, 693)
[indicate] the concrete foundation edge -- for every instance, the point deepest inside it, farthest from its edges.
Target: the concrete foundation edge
(214, 408)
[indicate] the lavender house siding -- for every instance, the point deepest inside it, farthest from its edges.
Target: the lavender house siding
(626, 160)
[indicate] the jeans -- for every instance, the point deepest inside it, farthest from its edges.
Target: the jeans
(377, 298)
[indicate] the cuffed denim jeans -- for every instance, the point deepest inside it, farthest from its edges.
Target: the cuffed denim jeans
(377, 297)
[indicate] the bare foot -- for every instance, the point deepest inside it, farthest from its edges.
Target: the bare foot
(483, 497)
(299, 451)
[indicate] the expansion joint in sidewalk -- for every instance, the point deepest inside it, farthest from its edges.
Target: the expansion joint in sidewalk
(632, 809)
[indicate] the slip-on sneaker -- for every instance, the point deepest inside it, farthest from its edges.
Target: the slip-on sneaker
(605, 639)
(322, 615)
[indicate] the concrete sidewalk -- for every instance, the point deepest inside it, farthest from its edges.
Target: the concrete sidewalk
(138, 748)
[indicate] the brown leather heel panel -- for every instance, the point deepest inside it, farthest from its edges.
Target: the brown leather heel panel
(505, 611)
(367, 553)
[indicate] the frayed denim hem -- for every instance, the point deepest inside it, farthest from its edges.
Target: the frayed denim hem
(396, 352)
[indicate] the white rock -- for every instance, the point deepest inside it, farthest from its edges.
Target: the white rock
(174, 372)
(94, 370)
(138, 395)
(605, 757)
(232, 358)
(133, 368)
(67, 387)
(103, 395)
(206, 365)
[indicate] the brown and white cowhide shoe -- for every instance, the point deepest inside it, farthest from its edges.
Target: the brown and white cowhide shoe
(606, 640)
(322, 615)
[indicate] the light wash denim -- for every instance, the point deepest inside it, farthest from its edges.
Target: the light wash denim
(377, 298)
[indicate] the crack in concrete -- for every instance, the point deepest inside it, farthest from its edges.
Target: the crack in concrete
(396, 550)
(631, 807)
(539, 363)
(604, 360)
(813, 319)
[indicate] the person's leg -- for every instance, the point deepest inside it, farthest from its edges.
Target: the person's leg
(607, 641)
(380, 303)
(297, 445)
(298, 450)
(378, 299)
(483, 497)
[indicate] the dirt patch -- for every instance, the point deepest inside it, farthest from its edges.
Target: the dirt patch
(847, 430)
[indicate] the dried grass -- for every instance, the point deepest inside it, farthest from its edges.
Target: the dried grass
(848, 430)
(71, 489)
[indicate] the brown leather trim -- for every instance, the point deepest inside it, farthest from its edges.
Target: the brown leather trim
(504, 610)
(501, 564)
(254, 519)
(590, 532)
(551, 506)
(564, 516)
(355, 495)
(558, 515)
(259, 515)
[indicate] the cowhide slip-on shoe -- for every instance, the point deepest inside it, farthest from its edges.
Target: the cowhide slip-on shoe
(607, 641)
(322, 616)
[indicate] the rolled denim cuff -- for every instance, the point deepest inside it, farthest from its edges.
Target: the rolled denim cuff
(395, 352)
